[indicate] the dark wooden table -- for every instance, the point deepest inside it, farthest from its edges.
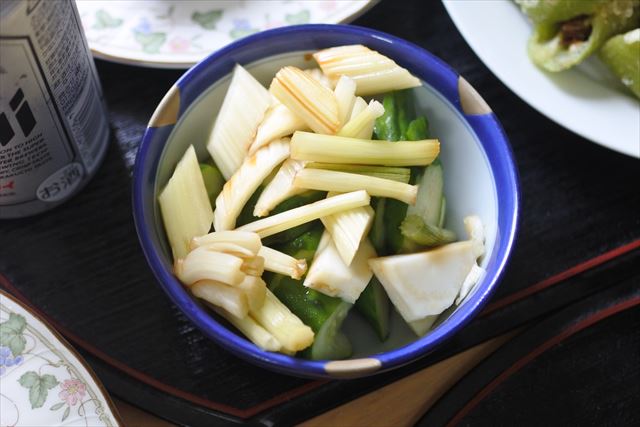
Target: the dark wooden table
(578, 243)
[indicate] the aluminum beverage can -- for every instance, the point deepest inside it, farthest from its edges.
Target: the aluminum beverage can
(54, 129)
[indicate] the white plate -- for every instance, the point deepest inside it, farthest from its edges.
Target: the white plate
(43, 382)
(177, 34)
(586, 100)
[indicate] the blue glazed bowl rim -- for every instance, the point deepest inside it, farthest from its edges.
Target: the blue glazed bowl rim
(493, 142)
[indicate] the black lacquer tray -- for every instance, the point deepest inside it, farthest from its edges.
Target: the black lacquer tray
(82, 267)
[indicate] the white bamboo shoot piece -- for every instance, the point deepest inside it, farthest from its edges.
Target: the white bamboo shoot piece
(281, 263)
(184, 204)
(328, 180)
(227, 297)
(422, 326)
(358, 106)
(303, 214)
(242, 110)
(330, 275)
(345, 96)
(255, 290)
(252, 330)
(279, 188)
(246, 239)
(285, 326)
(338, 149)
(278, 122)
(203, 264)
(253, 266)
(427, 283)
(238, 190)
(317, 74)
(312, 102)
(373, 72)
(361, 126)
(348, 229)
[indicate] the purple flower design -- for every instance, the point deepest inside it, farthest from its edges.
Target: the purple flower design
(241, 24)
(7, 360)
(144, 26)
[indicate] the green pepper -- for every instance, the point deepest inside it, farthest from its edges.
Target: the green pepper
(322, 313)
(213, 181)
(622, 55)
(373, 304)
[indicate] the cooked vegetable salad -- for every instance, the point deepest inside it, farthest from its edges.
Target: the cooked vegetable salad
(316, 201)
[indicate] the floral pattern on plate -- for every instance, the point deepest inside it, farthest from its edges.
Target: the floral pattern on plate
(42, 382)
(177, 34)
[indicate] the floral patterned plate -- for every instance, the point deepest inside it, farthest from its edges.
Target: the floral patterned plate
(177, 34)
(43, 381)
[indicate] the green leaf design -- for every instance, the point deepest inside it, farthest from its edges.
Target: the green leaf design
(301, 17)
(57, 406)
(28, 379)
(105, 20)
(238, 33)
(38, 386)
(66, 413)
(207, 20)
(11, 334)
(151, 42)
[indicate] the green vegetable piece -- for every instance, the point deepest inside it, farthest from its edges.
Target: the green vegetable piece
(213, 181)
(430, 193)
(322, 313)
(376, 235)
(443, 212)
(622, 55)
(291, 203)
(386, 126)
(418, 129)
(405, 111)
(413, 227)
(373, 304)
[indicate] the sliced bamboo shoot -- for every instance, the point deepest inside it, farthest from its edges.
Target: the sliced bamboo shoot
(252, 330)
(278, 122)
(185, 207)
(345, 96)
(348, 229)
(281, 263)
(227, 297)
(320, 77)
(358, 106)
(314, 103)
(337, 149)
(373, 72)
(473, 278)
(279, 188)
(331, 276)
(278, 320)
(246, 239)
(255, 290)
(253, 266)
(387, 172)
(242, 110)
(238, 190)
(326, 180)
(422, 326)
(303, 214)
(425, 283)
(361, 126)
(203, 264)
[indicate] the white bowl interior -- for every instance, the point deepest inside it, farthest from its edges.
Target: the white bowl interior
(469, 184)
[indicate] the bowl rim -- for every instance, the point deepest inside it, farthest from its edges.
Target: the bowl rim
(492, 141)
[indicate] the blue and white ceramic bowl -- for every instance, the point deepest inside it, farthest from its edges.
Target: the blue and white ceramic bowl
(480, 178)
